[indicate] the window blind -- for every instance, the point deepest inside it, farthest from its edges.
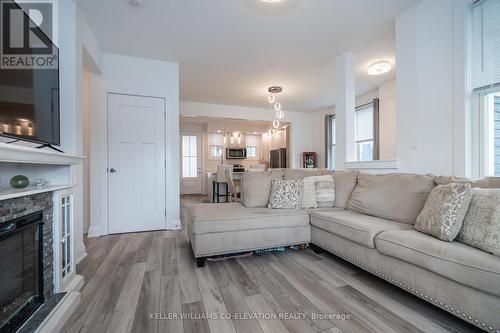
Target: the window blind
(485, 44)
(216, 139)
(252, 140)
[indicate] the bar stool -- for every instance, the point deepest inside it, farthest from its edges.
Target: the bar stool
(221, 179)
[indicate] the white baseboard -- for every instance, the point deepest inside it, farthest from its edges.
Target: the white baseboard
(76, 283)
(80, 256)
(174, 225)
(93, 232)
(56, 320)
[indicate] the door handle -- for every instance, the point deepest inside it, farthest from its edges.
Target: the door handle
(113, 170)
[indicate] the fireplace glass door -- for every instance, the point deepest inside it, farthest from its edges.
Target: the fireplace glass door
(21, 274)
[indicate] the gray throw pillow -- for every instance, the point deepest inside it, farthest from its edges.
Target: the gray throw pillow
(309, 192)
(325, 191)
(481, 227)
(286, 194)
(444, 211)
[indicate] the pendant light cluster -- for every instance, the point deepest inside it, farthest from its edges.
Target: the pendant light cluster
(279, 114)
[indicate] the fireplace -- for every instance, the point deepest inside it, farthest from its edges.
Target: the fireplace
(22, 269)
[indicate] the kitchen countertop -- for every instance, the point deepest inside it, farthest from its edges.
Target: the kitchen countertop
(236, 175)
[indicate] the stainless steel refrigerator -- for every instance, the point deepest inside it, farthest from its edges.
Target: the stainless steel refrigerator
(278, 158)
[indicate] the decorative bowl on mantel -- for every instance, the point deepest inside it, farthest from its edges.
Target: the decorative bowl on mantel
(19, 181)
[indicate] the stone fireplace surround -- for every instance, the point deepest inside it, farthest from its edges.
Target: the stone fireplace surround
(22, 206)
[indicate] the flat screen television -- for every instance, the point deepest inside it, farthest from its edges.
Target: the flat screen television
(29, 103)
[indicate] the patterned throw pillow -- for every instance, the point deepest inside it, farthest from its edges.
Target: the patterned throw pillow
(481, 228)
(444, 211)
(325, 191)
(286, 194)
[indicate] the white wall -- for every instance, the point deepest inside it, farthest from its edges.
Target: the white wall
(301, 123)
(387, 120)
(431, 85)
(135, 76)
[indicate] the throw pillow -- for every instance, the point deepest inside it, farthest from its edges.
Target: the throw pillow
(309, 193)
(481, 228)
(444, 211)
(325, 191)
(286, 194)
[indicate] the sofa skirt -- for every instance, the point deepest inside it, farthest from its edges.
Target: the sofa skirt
(211, 244)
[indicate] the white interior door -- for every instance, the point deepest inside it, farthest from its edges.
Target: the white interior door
(136, 163)
(191, 171)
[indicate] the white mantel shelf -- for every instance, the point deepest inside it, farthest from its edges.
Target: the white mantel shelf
(12, 153)
(11, 193)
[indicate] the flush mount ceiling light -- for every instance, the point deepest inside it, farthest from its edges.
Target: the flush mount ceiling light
(379, 67)
(135, 3)
(271, 1)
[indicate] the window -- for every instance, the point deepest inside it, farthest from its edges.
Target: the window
(330, 142)
(216, 145)
(252, 143)
(495, 104)
(189, 156)
(366, 129)
(491, 133)
(485, 75)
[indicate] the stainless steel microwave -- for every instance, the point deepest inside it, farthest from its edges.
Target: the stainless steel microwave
(236, 153)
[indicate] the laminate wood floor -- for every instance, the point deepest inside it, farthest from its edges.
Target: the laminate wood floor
(148, 282)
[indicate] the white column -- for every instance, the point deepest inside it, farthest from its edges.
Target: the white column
(345, 99)
(71, 77)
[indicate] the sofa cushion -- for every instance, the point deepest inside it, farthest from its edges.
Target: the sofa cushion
(256, 187)
(286, 194)
(444, 211)
(398, 197)
(481, 227)
(355, 227)
(211, 218)
(299, 174)
(454, 260)
(488, 182)
(345, 183)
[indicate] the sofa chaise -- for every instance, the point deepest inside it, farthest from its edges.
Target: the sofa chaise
(372, 226)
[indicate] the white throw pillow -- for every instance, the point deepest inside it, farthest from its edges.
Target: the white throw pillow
(309, 192)
(325, 191)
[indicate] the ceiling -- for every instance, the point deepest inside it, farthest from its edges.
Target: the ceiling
(230, 51)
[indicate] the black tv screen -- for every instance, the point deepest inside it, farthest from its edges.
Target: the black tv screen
(29, 80)
(29, 104)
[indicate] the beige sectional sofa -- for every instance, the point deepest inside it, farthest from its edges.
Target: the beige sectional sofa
(371, 225)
